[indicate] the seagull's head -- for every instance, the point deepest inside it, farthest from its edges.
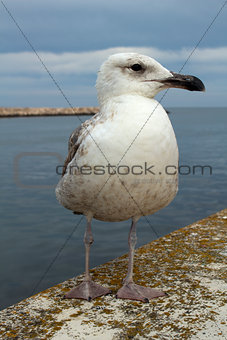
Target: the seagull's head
(133, 73)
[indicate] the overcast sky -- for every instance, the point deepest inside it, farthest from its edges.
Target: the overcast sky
(73, 38)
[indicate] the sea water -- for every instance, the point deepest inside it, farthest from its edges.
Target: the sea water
(41, 243)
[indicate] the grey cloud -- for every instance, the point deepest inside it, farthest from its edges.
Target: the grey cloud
(79, 35)
(208, 60)
(24, 82)
(59, 26)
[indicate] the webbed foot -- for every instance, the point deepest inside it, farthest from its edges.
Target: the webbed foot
(133, 291)
(87, 290)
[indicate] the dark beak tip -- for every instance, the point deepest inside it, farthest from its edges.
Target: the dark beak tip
(203, 87)
(198, 85)
(187, 82)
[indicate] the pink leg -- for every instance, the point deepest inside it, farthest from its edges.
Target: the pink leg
(130, 290)
(88, 289)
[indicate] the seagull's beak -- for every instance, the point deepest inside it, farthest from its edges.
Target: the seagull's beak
(182, 81)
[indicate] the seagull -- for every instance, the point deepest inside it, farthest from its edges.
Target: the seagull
(122, 163)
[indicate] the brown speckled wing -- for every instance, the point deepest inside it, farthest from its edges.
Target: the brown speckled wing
(73, 145)
(74, 142)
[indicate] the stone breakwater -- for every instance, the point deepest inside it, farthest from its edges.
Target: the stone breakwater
(188, 264)
(46, 111)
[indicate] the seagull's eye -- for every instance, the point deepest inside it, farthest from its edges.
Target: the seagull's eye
(136, 67)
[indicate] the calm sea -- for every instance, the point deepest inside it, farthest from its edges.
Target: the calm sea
(35, 229)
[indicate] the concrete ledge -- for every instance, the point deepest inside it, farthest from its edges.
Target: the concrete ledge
(46, 111)
(189, 264)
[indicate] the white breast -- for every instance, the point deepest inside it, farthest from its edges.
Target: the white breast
(135, 135)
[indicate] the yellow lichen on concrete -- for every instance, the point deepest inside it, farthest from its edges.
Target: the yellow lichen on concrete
(188, 264)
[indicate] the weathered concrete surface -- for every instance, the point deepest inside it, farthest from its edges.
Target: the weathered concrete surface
(46, 111)
(189, 264)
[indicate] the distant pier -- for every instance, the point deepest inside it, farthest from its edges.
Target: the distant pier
(188, 264)
(46, 111)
